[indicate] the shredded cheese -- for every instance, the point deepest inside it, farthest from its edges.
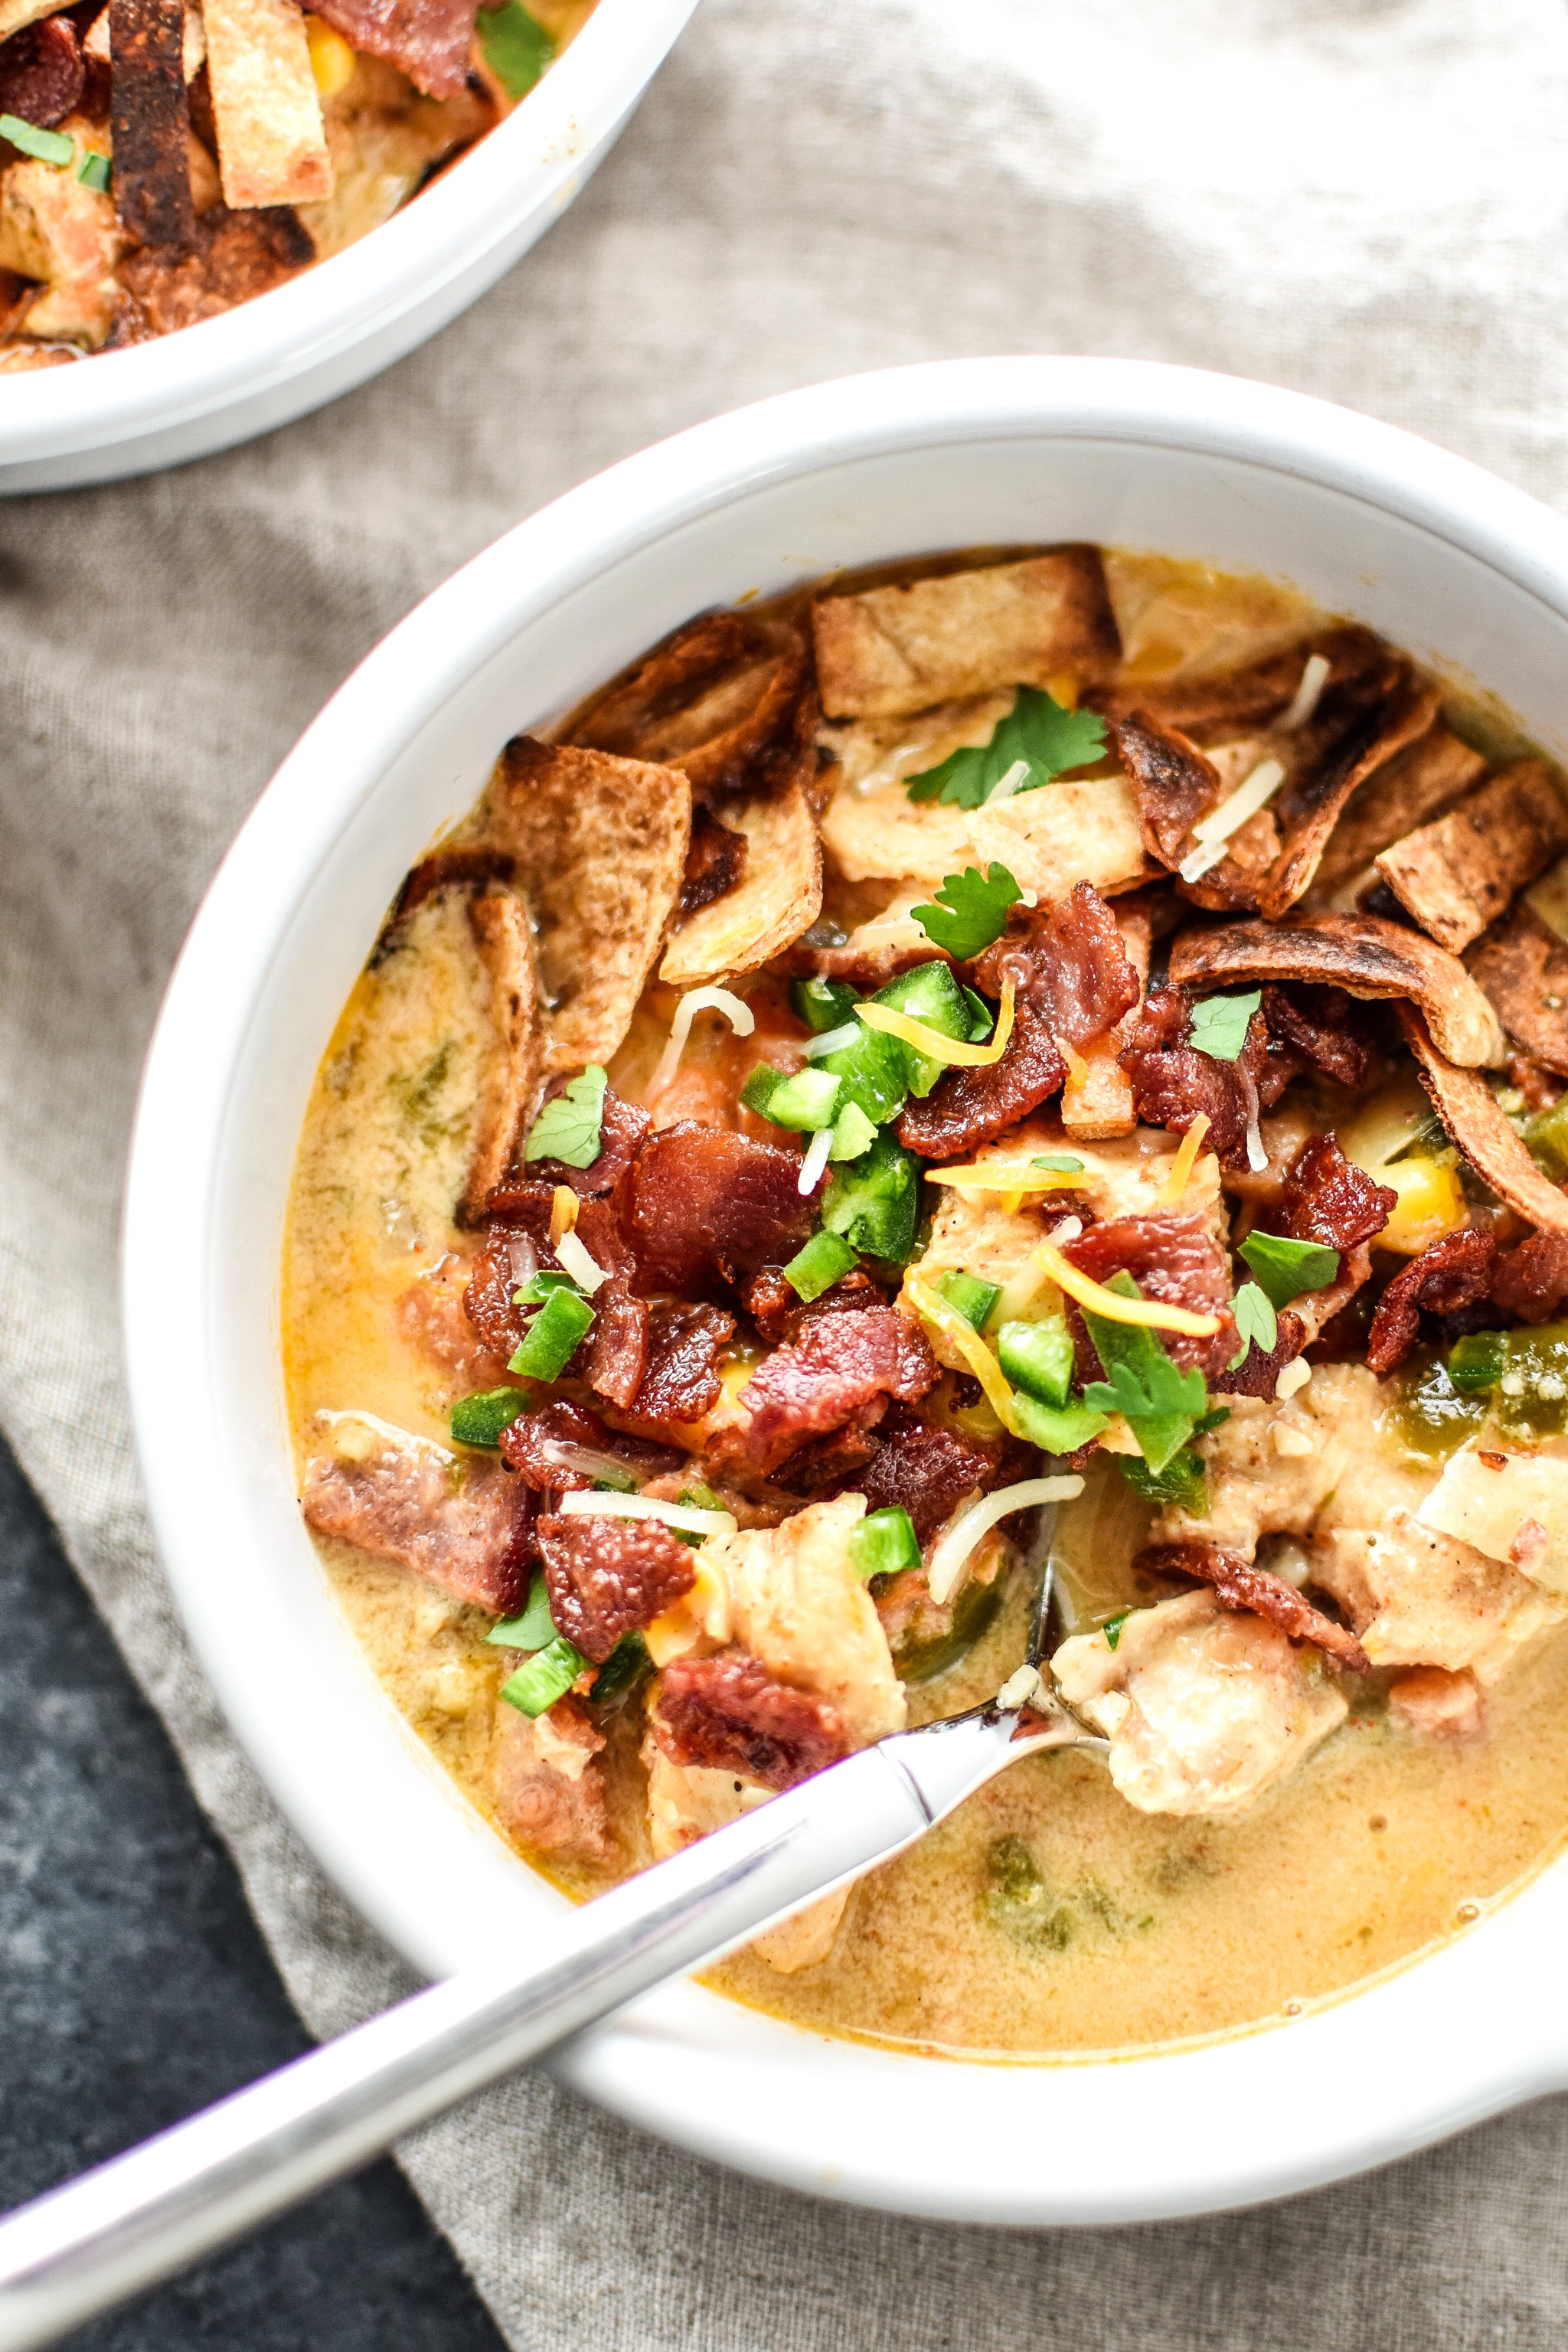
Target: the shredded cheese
(563, 1214)
(1212, 832)
(1174, 1189)
(1016, 777)
(1004, 1176)
(581, 1504)
(958, 1538)
(832, 1041)
(815, 1161)
(1153, 1313)
(1314, 677)
(736, 1012)
(955, 1053)
(586, 1271)
(933, 1308)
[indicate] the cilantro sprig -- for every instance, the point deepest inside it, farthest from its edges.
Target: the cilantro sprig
(569, 1129)
(1256, 1323)
(1161, 1405)
(1220, 1024)
(1285, 1269)
(1049, 740)
(971, 910)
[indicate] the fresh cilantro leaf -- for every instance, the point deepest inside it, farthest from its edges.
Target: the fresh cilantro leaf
(1111, 1629)
(1220, 1023)
(517, 49)
(1160, 1404)
(1180, 1485)
(1285, 1269)
(1255, 1323)
(971, 910)
(1048, 738)
(1061, 1163)
(568, 1128)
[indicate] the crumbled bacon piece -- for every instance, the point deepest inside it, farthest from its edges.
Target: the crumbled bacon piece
(830, 1463)
(608, 1576)
(427, 39)
(1072, 984)
(1531, 1281)
(1321, 1024)
(708, 1206)
(1242, 1585)
(715, 863)
(1176, 1260)
(530, 1447)
(927, 1469)
(1172, 1081)
(729, 1714)
(622, 1128)
(776, 1308)
(612, 1356)
(681, 1380)
(1330, 1201)
(431, 1316)
(1454, 1273)
(487, 1300)
(229, 258)
(841, 1369)
(41, 72)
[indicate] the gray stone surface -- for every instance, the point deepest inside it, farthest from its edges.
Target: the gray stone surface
(135, 1987)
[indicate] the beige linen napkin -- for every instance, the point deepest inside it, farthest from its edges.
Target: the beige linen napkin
(1363, 198)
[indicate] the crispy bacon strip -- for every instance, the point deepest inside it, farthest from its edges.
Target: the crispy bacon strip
(729, 1714)
(41, 72)
(622, 1128)
(1531, 1281)
(150, 122)
(607, 1576)
(465, 1526)
(709, 1207)
(1172, 1081)
(842, 1369)
(681, 1382)
(1330, 1201)
(1321, 1023)
(532, 1447)
(427, 39)
(927, 1468)
(1241, 1585)
(1454, 1272)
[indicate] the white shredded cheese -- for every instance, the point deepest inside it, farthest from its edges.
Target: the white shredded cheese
(1005, 787)
(356, 1436)
(815, 1161)
(574, 1259)
(584, 1459)
(1293, 1377)
(685, 1516)
(832, 1041)
(736, 1012)
(1212, 832)
(1020, 1687)
(1068, 1231)
(962, 1532)
(1314, 677)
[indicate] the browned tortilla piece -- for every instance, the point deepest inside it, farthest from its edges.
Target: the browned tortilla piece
(271, 145)
(1360, 953)
(1417, 784)
(1310, 800)
(1468, 1110)
(1219, 704)
(778, 895)
(890, 650)
(707, 700)
(1523, 966)
(1172, 781)
(236, 257)
(150, 122)
(598, 847)
(1457, 874)
(516, 1076)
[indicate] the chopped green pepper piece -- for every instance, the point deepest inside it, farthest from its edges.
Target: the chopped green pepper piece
(1284, 1268)
(981, 1020)
(1056, 1429)
(622, 1670)
(804, 1102)
(852, 1133)
(553, 1336)
(534, 1629)
(760, 1087)
(822, 1004)
(538, 1287)
(929, 993)
(875, 1074)
(1478, 1360)
(874, 1202)
(94, 170)
(972, 1297)
(548, 1676)
(1039, 1357)
(1547, 1137)
(823, 1261)
(47, 146)
(516, 44)
(883, 1543)
(480, 1418)
(1111, 1629)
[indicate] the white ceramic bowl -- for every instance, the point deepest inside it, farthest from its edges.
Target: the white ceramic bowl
(1369, 521)
(269, 360)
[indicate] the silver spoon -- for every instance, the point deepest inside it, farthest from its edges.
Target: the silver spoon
(82, 2248)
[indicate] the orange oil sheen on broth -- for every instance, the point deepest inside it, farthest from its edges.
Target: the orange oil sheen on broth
(1049, 1916)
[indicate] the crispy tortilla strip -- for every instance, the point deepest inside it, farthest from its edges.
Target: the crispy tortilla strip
(150, 124)
(516, 1076)
(272, 146)
(779, 896)
(1173, 782)
(1468, 1110)
(193, 44)
(1183, 621)
(1456, 876)
(707, 700)
(1360, 953)
(1097, 1100)
(1523, 966)
(895, 649)
(237, 257)
(1083, 829)
(1417, 784)
(1310, 801)
(598, 847)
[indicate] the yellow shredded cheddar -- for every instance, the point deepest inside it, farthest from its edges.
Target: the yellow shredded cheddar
(956, 1052)
(963, 1336)
(1150, 1312)
(1175, 1185)
(562, 1213)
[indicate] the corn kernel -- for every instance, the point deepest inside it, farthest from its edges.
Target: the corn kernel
(332, 61)
(1431, 1203)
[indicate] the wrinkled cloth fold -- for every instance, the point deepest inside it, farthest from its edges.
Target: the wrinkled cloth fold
(1361, 198)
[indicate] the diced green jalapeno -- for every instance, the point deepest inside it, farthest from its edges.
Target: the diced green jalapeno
(1478, 1361)
(972, 1297)
(553, 1336)
(1039, 1357)
(883, 1543)
(625, 1665)
(823, 1261)
(480, 1418)
(805, 1101)
(875, 1074)
(852, 1133)
(981, 1020)
(929, 993)
(541, 1680)
(517, 46)
(538, 1287)
(95, 171)
(1056, 1429)
(534, 1630)
(822, 1004)
(1547, 1137)
(874, 1202)
(759, 1086)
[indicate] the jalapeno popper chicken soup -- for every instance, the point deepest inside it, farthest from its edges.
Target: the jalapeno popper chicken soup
(162, 160)
(1068, 1017)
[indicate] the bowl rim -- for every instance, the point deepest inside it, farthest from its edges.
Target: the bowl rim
(533, 162)
(644, 2066)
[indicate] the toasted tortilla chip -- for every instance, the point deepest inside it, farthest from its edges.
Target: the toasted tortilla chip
(779, 896)
(1183, 621)
(150, 122)
(515, 1078)
(598, 848)
(272, 146)
(1468, 1110)
(1360, 953)
(1083, 829)
(1097, 1100)
(894, 649)
(15, 14)
(192, 44)
(1418, 784)
(1310, 800)
(1457, 874)
(1174, 784)
(707, 700)
(1522, 967)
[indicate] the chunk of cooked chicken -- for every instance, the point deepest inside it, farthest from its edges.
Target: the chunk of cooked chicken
(549, 1789)
(1205, 1708)
(1417, 1598)
(1512, 1506)
(55, 229)
(685, 1801)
